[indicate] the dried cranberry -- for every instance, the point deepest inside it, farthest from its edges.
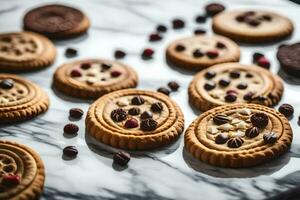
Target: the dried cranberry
(212, 54)
(11, 180)
(154, 37)
(147, 53)
(263, 62)
(131, 123)
(76, 73)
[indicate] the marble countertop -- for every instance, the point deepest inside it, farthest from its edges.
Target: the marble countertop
(166, 173)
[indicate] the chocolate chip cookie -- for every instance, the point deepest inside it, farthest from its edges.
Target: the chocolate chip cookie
(238, 135)
(234, 83)
(199, 52)
(135, 119)
(252, 26)
(288, 56)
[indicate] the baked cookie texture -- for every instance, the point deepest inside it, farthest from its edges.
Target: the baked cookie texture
(20, 99)
(135, 119)
(229, 83)
(199, 52)
(22, 172)
(56, 21)
(92, 78)
(238, 135)
(288, 56)
(25, 51)
(255, 26)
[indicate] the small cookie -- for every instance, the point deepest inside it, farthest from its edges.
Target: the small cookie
(135, 119)
(238, 135)
(234, 83)
(252, 26)
(56, 21)
(92, 78)
(199, 52)
(25, 51)
(22, 172)
(288, 56)
(20, 99)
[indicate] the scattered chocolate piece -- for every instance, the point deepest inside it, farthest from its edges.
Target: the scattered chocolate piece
(234, 74)
(155, 37)
(200, 19)
(164, 90)
(230, 98)
(11, 180)
(121, 158)
(252, 132)
(134, 111)
(173, 85)
(147, 53)
(76, 113)
(7, 84)
(76, 73)
(71, 52)
(224, 82)
(161, 28)
(256, 56)
(115, 74)
(220, 45)
(242, 86)
(106, 66)
(70, 151)
(148, 124)
(248, 96)
(214, 8)
(235, 142)
(137, 100)
(131, 123)
(221, 138)
(270, 138)
(157, 107)
(85, 65)
(178, 24)
(210, 74)
(119, 54)
(198, 53)
(209, 85)
(71, 129)
(179, 48)
(287, 110)
(146, 115)
(260, 120)
(118, 115)
(212, 54)
(264, 62)
(221, 119)
(199, 31)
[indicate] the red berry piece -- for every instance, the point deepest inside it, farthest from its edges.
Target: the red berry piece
(256, 56)
(76, 73)
(119, 54)
(212, 54)
(76, 113)
(11, 180)
(131, 123)
(147, 53)
(263, 62)
(115, 74)
(155, 37)
(234, 92)
(71, 129)
(85, 65)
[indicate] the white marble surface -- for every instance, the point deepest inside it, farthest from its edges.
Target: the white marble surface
(170, 172)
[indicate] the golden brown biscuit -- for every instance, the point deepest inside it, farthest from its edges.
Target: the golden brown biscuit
(238, 135)
(20, 99)
(135, 119)
(252, 26)
(234, 83)
(22, 172)
(199, 52)
(93, 78)
(25, 51)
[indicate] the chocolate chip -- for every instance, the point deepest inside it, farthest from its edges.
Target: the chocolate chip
(248, 96)
(173, 85)
(256, 56)
(11, 180)
(221, 138)
(266, 17)
(146, 115)
(70, 151)
(85, 65)
(249, 13)
(209, 85)
(235, 142)
(287, 110)
(71, 52)
(121, 158)
(270, 138)
(178, 24)
(220, 45)
(179, 48)
(106, 66)
(6, 39)
(148, 124)
(147, 53)
(240, 18)
(200, 19)
(198, 53)
(252, 132)
(221, 119)
(76, 113)
(242, 86)
(161, 28)
(260, 120)
(224, 82)
(230, 98)
(214, 8)
(253, 22)
(7, 84)
(71, 129)
(248, 75)
(119, 54)
(157, 107)
(115, 74)
(199, 31)
(212, 54)
(131, 123)
(210, 74)
(137, 100)
(76, 73)
(234, 74)
(164, 90)
(118, 115)
(134, 111)
(155, 37)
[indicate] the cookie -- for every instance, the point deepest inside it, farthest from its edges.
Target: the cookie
(20, 99)
(22, 172)
(25, 51)
(135, 119)
(288, 56)
(234, 83)
(56, 21)
(201, 51)
(252, 26)
(92, 78)
(238, 135)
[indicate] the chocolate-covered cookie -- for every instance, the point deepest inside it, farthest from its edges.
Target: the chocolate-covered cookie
(288, 56)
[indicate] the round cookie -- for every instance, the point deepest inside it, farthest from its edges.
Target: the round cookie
(56, 21)
(199, 52)
(92, 78)
(288, 56)
(22, 172)
(234, 83)
(20, 99)
(238, 135)
(25, 51)
(135, 119)
(252, 26)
